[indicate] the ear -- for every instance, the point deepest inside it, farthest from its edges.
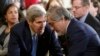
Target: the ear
(28, 22)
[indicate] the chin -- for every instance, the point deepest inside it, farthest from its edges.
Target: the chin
(41, 32)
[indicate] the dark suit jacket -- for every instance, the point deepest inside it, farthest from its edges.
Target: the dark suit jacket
(81, 40)
(93, 22)
(21, 42)
(98, 17)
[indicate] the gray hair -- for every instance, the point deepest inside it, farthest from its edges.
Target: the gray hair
(56, 13)
(34, 11)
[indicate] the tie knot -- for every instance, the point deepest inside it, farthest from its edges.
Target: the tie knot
(33, 36)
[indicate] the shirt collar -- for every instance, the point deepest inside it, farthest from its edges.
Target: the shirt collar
(32, 33)
(82, 19)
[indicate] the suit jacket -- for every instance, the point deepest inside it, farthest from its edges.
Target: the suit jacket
(82, 40)
(21, 42)
(93, 22)
(98, 17)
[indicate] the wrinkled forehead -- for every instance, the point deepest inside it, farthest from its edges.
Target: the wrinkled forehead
(41, 18)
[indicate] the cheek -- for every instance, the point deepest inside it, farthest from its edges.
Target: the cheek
(57, 27)
(36, 26)
(16, 16)
(44, 24)
(8, 18)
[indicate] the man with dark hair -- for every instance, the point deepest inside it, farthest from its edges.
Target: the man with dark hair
(79, 39)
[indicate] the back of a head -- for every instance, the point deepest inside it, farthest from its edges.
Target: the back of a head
(34, 11)
(95, 3)
(56, 12)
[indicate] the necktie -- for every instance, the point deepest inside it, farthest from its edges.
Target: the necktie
(34, 45)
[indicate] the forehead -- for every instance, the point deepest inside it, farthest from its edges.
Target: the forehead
(76, 3)
(40, 18)
(12, 7)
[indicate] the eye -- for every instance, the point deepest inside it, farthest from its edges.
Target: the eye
(51, 24)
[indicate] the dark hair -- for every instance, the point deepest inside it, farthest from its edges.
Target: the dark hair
(6, 9)
(95, 3)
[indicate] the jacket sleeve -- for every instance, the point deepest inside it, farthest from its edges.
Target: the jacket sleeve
(94, 45)
(83, 45)
(13, 47)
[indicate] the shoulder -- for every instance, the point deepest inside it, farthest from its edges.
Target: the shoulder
(90, 19)
(2, 28)
(82, 31)
(19, 27)
(47, 29)
(82, 27)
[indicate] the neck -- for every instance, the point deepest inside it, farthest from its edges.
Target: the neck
(10, 25)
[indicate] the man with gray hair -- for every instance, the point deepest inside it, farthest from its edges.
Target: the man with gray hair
(76, 38)
(33, 37)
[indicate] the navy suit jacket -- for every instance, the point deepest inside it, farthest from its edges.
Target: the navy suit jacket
(20, 43)
(82, 40)
(93, 22)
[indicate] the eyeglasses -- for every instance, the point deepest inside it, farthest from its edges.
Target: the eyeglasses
(77, 7)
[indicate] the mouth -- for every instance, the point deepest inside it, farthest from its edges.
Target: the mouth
(14, 18)
(40, 31)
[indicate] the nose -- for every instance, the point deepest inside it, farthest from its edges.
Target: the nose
(43, 24)
(14, 14)
(73, 9)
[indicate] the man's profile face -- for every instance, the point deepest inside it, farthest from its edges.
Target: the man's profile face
(57, 26)
(38, 25)
(78, 9)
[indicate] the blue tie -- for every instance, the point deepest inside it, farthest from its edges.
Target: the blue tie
(34, 45)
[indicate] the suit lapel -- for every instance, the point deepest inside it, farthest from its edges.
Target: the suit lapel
(92, 20)
(27, 37)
